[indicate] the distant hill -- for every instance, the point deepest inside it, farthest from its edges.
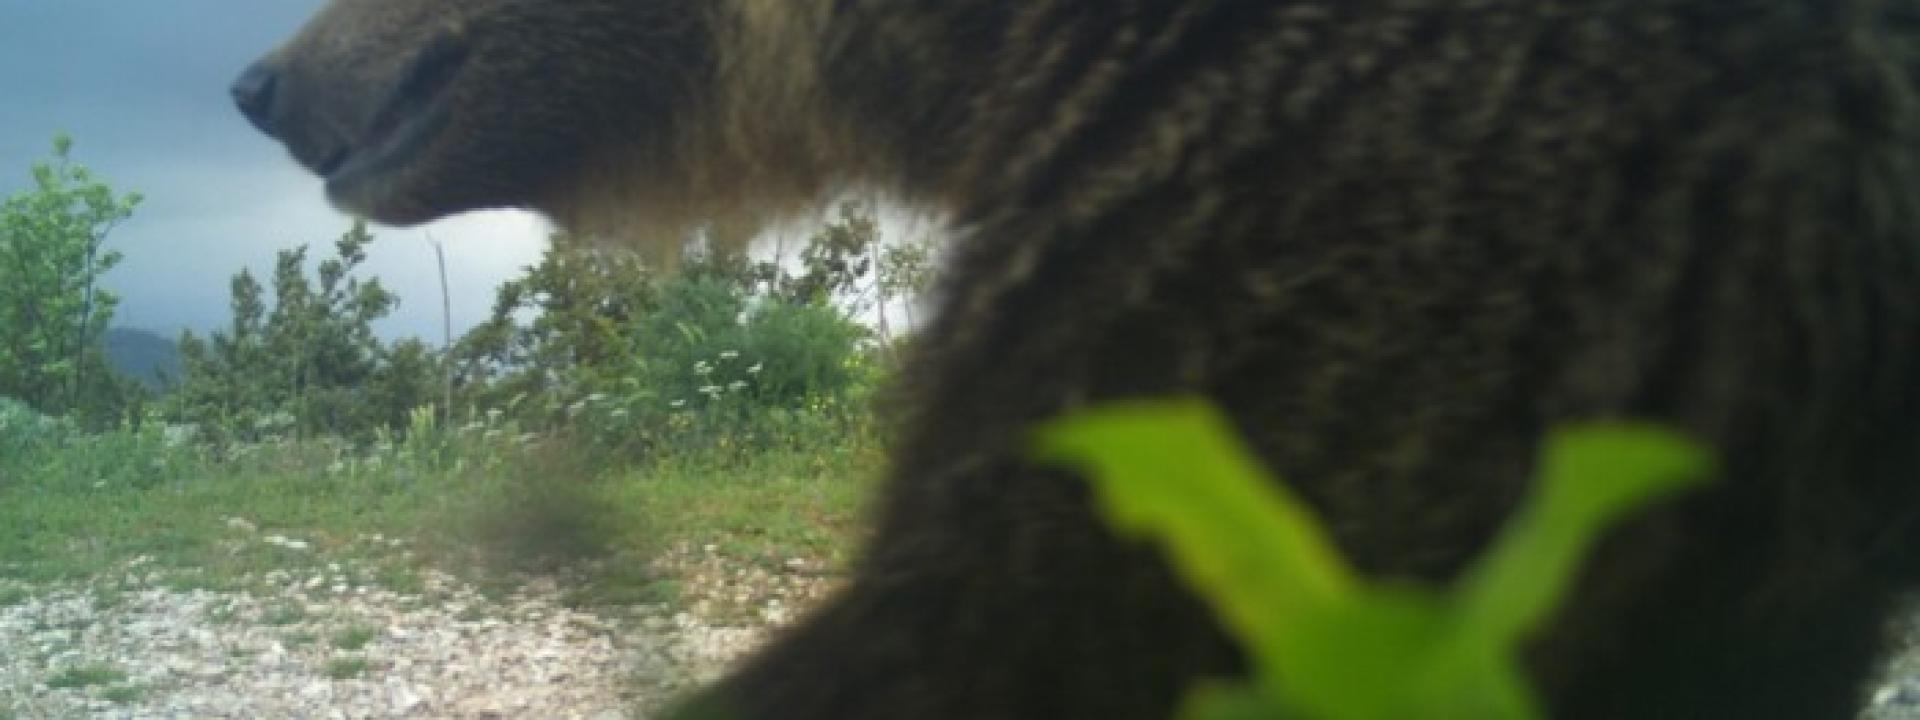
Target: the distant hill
(144, 355)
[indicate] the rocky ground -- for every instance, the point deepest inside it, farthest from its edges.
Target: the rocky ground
(319, 644)
(315, 644)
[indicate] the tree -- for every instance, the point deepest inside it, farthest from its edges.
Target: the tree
(851, 264)
(836, 260)
(905, 274)
(53, 313)
(224, 385)
(309, 364)
(577, 304)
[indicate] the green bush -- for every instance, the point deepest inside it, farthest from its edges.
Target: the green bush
(723, 355)
(54, 314)
(300, 358)
(713, 369)
(22, 428)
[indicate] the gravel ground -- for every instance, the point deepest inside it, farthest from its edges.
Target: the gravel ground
(312, 644)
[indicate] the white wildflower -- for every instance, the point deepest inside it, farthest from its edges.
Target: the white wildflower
(729, 354)
(755, 370)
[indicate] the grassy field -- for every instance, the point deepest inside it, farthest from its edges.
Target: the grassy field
(87, 508)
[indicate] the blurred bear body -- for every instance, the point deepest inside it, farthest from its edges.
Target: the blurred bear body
(1396, 240)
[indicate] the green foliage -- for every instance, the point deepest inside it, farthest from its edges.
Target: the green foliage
(353, 638)
(123, 694)
(710, 370)
(347, 668)
(850, 265)
(85, 676)
(575, 304)
(53, 313)
(592, 343)
(835, 262)
(603, 403)
(1325, 643)
(80, 505)
(724, 353)
(25, 432)
(406, 377)
(82, 502)
(37, 450)
(307, 364)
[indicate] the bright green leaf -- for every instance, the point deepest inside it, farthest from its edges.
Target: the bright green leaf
(1171, 471)
(1326, 645)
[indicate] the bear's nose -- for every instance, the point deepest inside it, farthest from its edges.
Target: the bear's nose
(254, 92)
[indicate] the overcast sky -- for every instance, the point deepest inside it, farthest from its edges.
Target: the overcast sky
(141, 86)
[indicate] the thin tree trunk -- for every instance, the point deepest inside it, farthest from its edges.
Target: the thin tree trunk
(446, 335)
(886, 334)
(77, 355)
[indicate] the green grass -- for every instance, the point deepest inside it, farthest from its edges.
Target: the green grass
(283, 613)
(560, 511)
(771, 507)
(765, 509)
(346, 668)
(191, 579)
(107, 599)
(398, 577)
(123, 694)
(85, 676)
(353, 638)
(66, 528)
(60, 522)
(71, 515)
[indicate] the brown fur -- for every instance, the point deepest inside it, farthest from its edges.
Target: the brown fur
(1396, 239)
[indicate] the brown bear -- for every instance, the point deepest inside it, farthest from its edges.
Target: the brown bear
(1395, 239)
